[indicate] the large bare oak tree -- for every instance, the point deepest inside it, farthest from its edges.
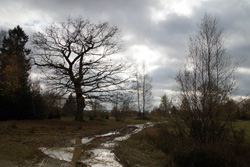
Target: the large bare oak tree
(80, 57)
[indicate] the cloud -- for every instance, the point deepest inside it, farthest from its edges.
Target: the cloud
(156, 31)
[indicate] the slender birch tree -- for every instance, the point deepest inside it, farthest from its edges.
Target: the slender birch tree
(143, 87)
(205, 83)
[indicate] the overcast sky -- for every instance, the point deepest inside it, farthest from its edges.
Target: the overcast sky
(154, 31)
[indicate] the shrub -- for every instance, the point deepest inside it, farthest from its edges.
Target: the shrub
(184, 151)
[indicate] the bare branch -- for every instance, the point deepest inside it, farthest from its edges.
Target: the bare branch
(77, 56)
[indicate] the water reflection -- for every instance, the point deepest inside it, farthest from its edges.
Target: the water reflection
(101, 156)
(77, 151)
(64, 154)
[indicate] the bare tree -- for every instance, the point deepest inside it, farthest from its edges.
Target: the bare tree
(138, 88)
(78, 56)
(96, 108)
(143, 87)
(122, 102)
(205, 83)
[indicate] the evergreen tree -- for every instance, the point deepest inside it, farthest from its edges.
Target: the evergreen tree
(69, 108)
(13, 58)
(15, 95)
(165, 105)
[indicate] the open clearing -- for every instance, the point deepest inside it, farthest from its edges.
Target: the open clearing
(20, 140)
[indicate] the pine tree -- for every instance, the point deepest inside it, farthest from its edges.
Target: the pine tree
(15, 95)
(13, 58)
(69, 108)
(165, 105)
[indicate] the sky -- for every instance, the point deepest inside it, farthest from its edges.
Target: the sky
(153, 31)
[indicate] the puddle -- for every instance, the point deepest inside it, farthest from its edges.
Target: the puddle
(122, 138)
(64, 154)
(109, 134)
(87, 140)
(69, 154)
(77, 151)
(108, 144)
(101, 156)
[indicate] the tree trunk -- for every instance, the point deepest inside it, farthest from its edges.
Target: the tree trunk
(143, 95)
(138, 94)
(80, 105)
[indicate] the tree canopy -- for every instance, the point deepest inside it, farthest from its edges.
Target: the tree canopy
(79, 56)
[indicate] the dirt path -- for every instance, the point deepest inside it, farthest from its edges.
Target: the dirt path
(94, 151)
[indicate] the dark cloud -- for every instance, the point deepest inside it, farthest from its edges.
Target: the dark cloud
(243, 84)
(164, 74)
(112, 10)
(168, 37)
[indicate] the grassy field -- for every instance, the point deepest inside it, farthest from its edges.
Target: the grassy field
(243, 125)
(20, 140)
(147, 154)
(139, 150)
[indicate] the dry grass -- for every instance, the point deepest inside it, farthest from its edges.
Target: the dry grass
(20, 140)
(243, 125)
(140, 150)
(159, 146)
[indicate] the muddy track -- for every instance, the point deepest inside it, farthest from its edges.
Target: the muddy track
(92, 151)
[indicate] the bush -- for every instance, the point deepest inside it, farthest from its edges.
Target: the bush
(54, 113)
(223, 155)
(183, 151)
(239, 136)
